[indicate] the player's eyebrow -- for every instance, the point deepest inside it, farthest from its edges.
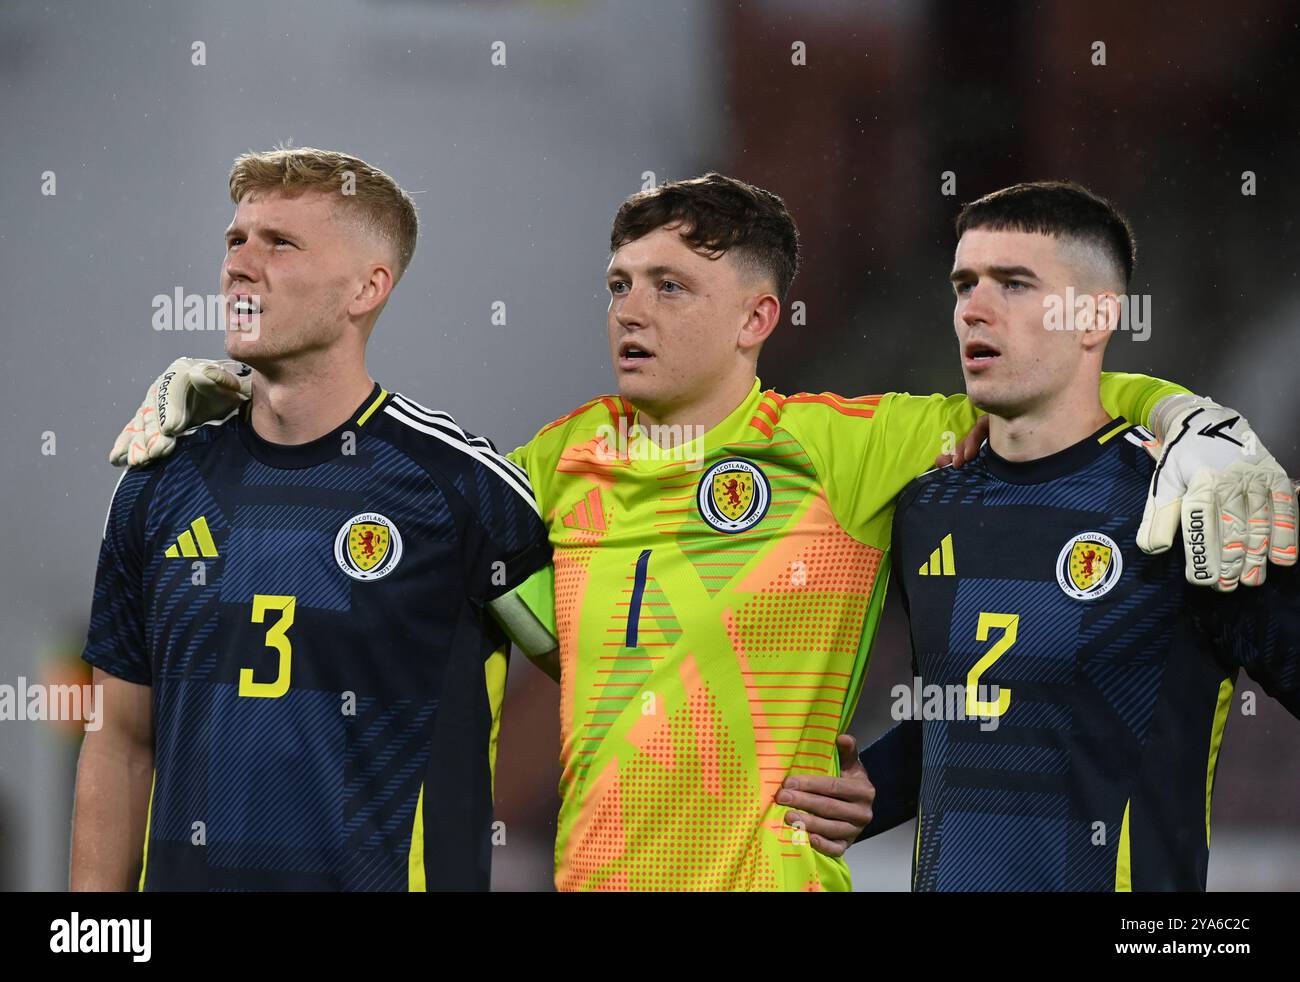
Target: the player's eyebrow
(965, 274)
(265, 232)
(654, 273)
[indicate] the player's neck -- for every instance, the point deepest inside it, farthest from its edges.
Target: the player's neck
(304, 401)
(1043, 432)
(698, 416)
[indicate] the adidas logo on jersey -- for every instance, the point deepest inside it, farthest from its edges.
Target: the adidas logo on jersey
(194, 542)
(940, 562)
(587, 513)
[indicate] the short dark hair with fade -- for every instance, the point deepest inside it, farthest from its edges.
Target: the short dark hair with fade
(717, 215)
(1062, 209)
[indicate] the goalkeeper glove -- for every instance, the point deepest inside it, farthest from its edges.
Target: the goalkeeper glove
(190, 392)
(1236, 506)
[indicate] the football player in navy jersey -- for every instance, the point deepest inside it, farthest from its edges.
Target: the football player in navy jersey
(1095, 678)
(291, 625)
(190, 391)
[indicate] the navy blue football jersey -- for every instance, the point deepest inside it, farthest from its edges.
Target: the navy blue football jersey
(325, 677)
(1071, 691)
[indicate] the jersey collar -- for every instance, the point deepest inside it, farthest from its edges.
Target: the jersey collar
(729, 431)
(318, 451)
(1067, 461)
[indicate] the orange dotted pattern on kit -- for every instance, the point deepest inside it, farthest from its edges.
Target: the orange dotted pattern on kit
(659, 829)
(816, 607)
(571, 563)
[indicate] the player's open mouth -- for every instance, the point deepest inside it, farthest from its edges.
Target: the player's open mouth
(977, 354)
(244, 308)
(633, 355)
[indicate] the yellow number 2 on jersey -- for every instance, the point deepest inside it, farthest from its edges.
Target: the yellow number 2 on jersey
(975, 707)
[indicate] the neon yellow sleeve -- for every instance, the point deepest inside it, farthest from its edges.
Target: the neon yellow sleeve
(1133, 397)
(913, 430)
(527, 613)
(519, 456)
(867, 450)
(531, 457)
(494, 671)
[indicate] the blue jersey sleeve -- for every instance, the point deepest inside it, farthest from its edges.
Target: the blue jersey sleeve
(893, 764)
(893, 761)
(115, 641)
(1258, 629)
(511, 543)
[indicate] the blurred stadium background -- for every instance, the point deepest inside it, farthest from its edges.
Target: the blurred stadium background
(517, 171)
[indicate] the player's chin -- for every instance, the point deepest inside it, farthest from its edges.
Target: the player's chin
(988, 397)
(637, 387)
(246, 347)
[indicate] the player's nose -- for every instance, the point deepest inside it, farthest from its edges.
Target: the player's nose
(978, 308)
(630, 309)
(243, 265)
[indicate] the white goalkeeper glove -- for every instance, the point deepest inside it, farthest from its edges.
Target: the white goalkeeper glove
(1236, 506)
(190, 392)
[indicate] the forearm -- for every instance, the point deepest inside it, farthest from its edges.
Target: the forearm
(114, 781)
(893, 765)
(548, 663)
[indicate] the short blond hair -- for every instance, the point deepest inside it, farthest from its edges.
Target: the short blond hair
(371, 196)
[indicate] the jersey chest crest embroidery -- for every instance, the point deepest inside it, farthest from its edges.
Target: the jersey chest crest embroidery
(733, 495)
(1089, 566)
(368, 546)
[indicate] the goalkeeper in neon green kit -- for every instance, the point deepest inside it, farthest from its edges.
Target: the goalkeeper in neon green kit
(721, 556)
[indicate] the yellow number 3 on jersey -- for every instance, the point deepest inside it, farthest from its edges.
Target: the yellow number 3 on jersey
(275, 638)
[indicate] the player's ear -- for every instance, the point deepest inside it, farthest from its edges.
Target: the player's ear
(763, 316)
(373, 292)
(1105, 320)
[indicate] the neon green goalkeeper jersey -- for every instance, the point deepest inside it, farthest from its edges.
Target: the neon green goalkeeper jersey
(715, 609)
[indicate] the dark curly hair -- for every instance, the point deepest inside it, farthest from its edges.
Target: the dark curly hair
(717, 215)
